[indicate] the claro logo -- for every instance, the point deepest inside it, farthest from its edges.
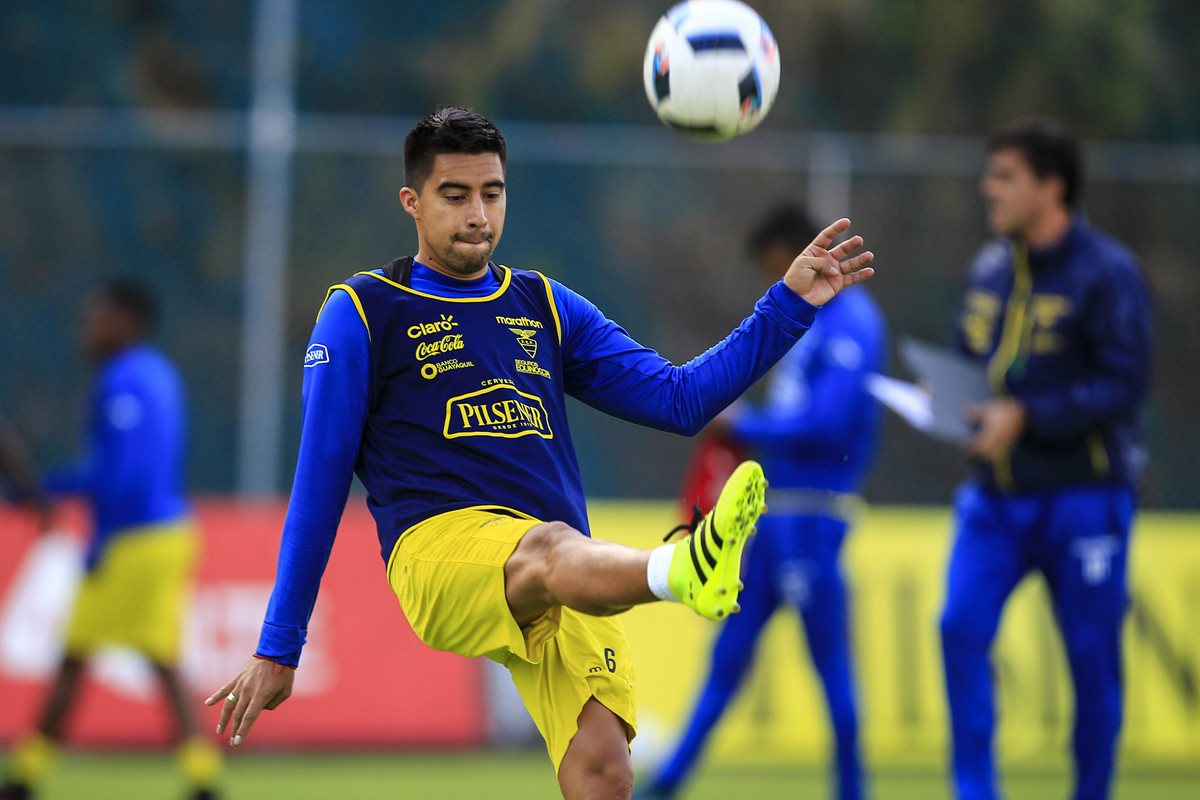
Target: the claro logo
(443, 325)
(500, 411)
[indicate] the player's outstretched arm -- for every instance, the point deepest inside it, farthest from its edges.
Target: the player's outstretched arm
(17, 468)
(820, 272)
(262, 684)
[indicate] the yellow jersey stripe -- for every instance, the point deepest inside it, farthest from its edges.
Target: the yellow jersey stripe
(1098, 455)
(504, 283)
(553, 306)
(1011, 340)
(357, 304)
(1013, 334)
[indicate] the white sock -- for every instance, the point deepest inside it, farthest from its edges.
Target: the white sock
(657, 570)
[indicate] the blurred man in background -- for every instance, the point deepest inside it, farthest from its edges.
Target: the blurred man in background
(816, 435)
(1058, 313)
(142, 552)
(441, 379)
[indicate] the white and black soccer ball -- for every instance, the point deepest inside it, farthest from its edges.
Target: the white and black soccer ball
(711, 69)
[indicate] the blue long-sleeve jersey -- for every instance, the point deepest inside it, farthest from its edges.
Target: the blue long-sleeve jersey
(131, 470)
(818, 427)
(1065, 330)
(445, 394)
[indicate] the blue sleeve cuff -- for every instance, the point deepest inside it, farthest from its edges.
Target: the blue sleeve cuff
(792, 311)
(281, 644)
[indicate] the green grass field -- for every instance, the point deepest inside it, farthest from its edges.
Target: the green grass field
(500, 776)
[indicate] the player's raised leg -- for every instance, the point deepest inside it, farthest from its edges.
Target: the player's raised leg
(554, 565)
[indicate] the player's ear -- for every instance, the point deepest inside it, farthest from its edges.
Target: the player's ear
(410, 201)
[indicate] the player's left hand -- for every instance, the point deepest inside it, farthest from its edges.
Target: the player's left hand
(819, 273)
(262, 684)
(1000, 422)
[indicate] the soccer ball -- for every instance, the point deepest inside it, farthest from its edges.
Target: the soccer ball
(711, 69)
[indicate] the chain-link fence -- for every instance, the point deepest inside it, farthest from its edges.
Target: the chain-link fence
(643, 222)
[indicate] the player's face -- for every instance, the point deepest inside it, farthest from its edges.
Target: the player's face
(105, 328)
(459, 213)
(1016, 197)
(775, 259)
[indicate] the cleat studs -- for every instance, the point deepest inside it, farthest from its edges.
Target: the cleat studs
(741, 586)
(736, 608)
(720, 613)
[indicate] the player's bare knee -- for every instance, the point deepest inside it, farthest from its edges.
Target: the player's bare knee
(616, 776)
(543, 549)
(529, 571)
(599, 775)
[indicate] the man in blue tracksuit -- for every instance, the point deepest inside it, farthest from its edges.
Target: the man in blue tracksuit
(1058, 312)
(816, 436)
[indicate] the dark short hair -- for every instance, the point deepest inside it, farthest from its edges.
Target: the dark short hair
(448, 130)
(131, 298)
(786, 223)
(1049, 150)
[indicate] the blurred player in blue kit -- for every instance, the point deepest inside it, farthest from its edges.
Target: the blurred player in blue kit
(141, 556)
(816, 435)
(440, 379)
(1058, 313)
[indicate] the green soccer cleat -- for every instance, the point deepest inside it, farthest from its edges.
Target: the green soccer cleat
(705, 571)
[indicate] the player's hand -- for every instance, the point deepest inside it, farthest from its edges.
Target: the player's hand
(261, 684)
(1000, 422)
(819, 272)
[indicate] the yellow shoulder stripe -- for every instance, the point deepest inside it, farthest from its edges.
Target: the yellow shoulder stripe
(357, 304)
(553, 306)
(499, 290)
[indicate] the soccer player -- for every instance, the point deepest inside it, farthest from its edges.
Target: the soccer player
(440, 380)
(141, 555)
(1058, 312)
(816, 435)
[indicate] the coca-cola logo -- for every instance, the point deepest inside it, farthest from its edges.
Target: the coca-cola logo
(448, 343)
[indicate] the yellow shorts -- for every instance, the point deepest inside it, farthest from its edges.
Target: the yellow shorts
(136, 594)
(448, 574)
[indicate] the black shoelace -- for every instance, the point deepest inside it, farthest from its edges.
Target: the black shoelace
(690, 527)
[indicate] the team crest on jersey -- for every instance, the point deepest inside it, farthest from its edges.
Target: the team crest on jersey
(316, 354)
(526, 340)
(499, 410)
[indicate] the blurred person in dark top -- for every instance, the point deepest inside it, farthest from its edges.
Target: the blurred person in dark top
(1057, 311)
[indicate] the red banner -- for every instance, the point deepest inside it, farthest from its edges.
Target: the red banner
(364, 678)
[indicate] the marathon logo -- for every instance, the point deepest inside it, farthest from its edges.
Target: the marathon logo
(499, 410)
(317, 354)
(520, 322)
